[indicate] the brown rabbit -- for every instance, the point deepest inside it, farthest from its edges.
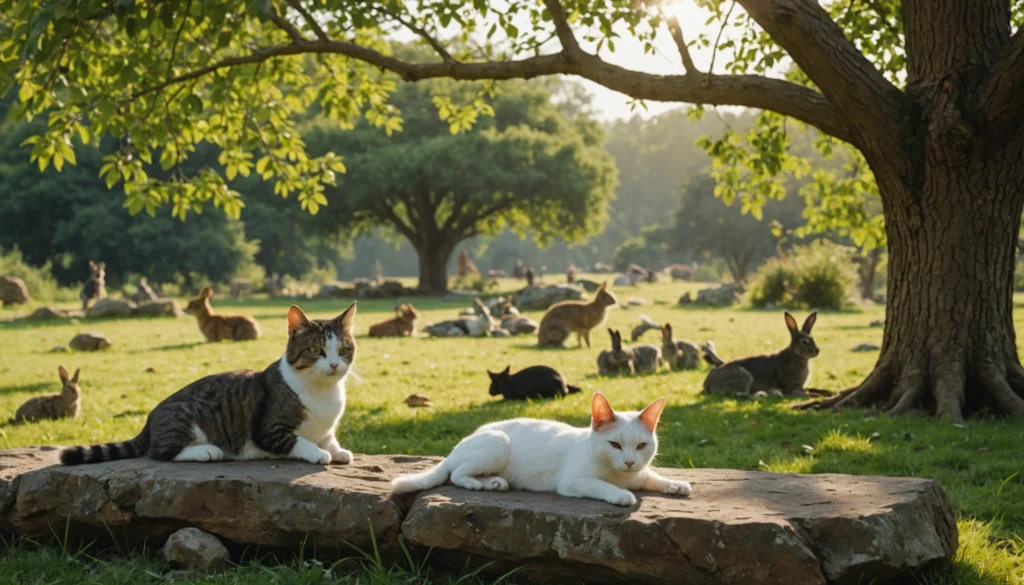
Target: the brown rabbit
(221, 327)
(577, 317)
(53, 406)
(95, 288)
(786, 371)
(680, 355)
(403, 325)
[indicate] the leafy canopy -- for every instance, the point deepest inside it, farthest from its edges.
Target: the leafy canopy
(166, 77)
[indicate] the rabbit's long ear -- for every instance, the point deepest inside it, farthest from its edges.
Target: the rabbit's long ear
(791, 324)
(92, 265)
(63, 374)
(809, 323)
(74, 379)
(207, 292)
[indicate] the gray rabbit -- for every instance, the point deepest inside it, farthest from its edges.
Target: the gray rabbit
(680, 355)
(646, 358)
(615, 360)
(786, 371)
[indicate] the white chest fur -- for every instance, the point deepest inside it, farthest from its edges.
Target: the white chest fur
(324, 404)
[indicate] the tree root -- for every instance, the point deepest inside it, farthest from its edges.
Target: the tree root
(914, 386)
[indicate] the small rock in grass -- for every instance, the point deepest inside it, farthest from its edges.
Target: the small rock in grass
(150, 370)
(877, 324)
(637, 301)
(59, 349)
(194, 549)
(865, 347)
(875, 436)
(760, 395)
(776, 394)
(500, 333)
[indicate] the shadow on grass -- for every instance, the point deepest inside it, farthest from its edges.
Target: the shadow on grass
(30, 388)
(172, 347)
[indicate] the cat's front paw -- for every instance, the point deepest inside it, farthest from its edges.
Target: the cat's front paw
(341, 456)
(317, 456)
(678, 488)
(623, 498)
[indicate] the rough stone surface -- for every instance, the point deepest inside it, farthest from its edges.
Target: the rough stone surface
(109, 307)
(539, 298)
(13, 291)
(89, 342)
(864, 347)
(165, 307)
(194, 549)
(738, 527)
(272, 503)
(722, 296)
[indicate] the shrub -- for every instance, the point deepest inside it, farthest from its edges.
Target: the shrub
(42, 286)
(821, 275)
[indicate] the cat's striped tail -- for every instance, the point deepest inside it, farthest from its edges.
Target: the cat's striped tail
(137, 447)
(425, 480)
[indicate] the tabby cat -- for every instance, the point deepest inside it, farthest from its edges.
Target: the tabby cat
(289, 410)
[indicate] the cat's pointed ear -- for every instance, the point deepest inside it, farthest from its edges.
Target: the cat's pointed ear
(297, 321)
(346, 320)
(74, 379)
(601, 412)
(650, 415)
(491, 374)
(63, 374)
(508, 370)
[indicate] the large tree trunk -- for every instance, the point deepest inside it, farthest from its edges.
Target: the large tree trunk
(434, 259)
(949, 343)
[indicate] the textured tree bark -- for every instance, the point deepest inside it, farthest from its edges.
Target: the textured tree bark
(433, 257)
(949, 345)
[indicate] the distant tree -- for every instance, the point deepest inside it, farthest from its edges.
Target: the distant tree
(68, 218)
(706, 226)
(649, 250)
(528, 168)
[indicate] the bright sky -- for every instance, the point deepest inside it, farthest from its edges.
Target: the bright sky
(629, 53)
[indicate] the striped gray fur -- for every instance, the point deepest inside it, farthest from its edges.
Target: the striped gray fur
(233, 409)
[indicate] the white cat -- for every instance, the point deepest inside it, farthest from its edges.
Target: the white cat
(602, 462)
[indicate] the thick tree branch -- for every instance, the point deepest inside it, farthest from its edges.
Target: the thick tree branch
(387, 212)
(420, 32)
(684, 49)
(751, 91)
(859, 93)
(1002, 92)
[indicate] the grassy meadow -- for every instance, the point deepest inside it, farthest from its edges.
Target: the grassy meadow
(980, 465)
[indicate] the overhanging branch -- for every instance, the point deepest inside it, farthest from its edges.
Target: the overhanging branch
(859, 93)
(751, 91)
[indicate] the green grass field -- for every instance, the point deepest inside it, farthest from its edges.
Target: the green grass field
(980, 465)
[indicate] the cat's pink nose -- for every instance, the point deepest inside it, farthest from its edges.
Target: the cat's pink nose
(334, 365)
(629, 463)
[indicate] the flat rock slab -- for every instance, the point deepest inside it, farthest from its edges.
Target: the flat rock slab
(272, 503)
(738, 527)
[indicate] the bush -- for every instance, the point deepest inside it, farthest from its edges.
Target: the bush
(821, 275)
(42, 286)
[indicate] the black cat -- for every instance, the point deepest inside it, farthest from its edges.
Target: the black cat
(532, 382)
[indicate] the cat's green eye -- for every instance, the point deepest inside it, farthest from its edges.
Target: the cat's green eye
(641, 446)
(317, 351)
(615, 445)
